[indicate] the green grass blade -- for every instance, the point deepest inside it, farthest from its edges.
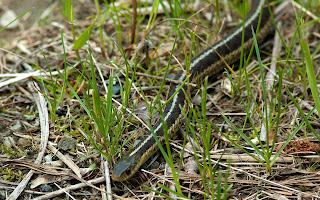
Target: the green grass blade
(15, 20)
(84, 37)
(311, 74)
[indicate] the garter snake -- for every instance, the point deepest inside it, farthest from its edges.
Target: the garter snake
(209, 62)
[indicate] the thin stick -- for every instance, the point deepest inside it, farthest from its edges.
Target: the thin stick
(134, 20)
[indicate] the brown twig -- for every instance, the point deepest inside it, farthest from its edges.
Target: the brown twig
(134, 20)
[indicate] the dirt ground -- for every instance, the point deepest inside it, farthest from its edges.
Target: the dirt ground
(19, 7)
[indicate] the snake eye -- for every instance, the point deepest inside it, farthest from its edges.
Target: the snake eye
(127, 171)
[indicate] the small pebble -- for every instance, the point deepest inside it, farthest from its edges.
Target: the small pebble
(155, 165)
(8, 17)
(9, 142)
(22, 142)
(48, 158)
(46, 188)
(16, 126)
(162, 166)
(56, 163)
(30, 117)
(226, 85)
(61, 111)
(57, 198)
(171, 76)
(67, 143)
(116, 89)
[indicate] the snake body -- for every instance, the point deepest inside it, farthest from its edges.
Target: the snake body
(209, 62)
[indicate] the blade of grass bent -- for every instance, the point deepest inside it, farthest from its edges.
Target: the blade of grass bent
(311, 75)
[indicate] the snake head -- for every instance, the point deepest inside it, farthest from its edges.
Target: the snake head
(123, 169)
